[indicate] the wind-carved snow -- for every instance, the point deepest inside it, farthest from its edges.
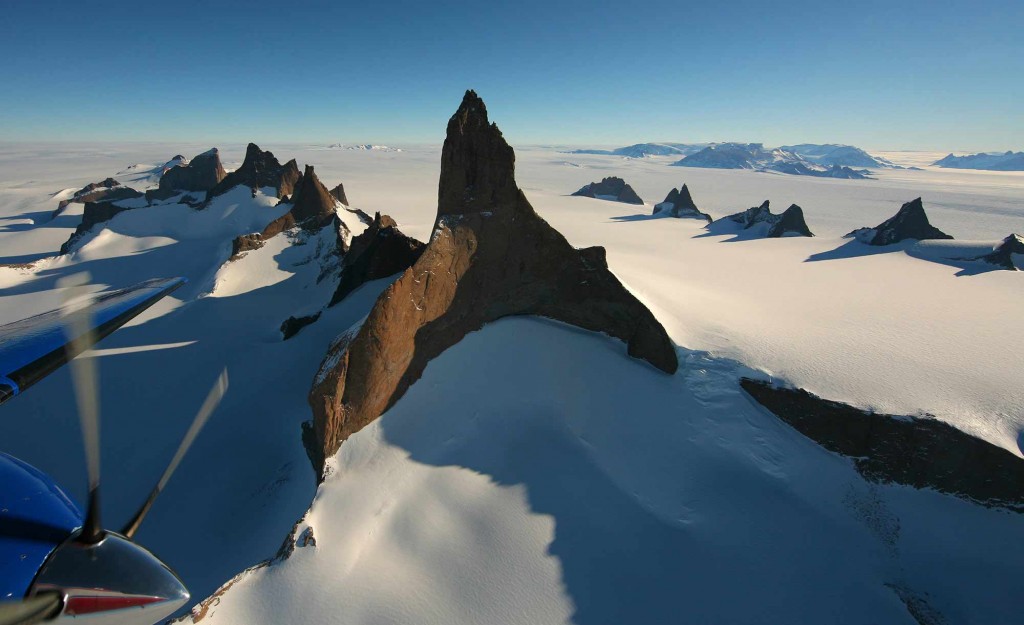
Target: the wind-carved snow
(645, 498)
(688, 478)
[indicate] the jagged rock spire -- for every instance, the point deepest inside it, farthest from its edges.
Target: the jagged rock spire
(491, 256)
(260, 169)
(910, 222)
(477, 165)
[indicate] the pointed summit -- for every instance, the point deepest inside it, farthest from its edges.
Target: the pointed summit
(910, 222)
(260, 169)
(678, 203)
(477, 165)
(1003, 254)
(312, 204)
(490, 256)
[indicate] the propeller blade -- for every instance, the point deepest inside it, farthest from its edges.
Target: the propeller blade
(209, 405)
(81, 336)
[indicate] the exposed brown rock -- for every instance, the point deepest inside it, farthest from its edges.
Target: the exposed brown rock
(259, 169)
(313, 207)
(918, 452)
(490, 256)
(94, 192)
(339, 194)
(98, 212)
(245, 243)
(202, 173)
(381, 251)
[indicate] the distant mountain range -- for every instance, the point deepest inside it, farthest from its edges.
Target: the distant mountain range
(755, 156)
(643, 150)
(989, 161)
(805, 159)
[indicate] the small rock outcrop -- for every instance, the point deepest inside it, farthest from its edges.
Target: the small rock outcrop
(790, 222)
(910, 222)
(245, 243)
(678, 203)
(490, 256)
(259, 169)
(381, 251)
(918, 452)
(291, 326)
(95, 192)
(339, 194)
(1002, 255)
(611, 188)
(99, 212)
(202, 173)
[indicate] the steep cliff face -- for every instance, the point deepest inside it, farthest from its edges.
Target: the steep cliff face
(910, 222)
(678, 203)
(789, 222)
(202, 173)
(1010, 249)
(260, 169)
(381, 251)
(918, 452)
(611, 188)
(313, 207)
(490, 256)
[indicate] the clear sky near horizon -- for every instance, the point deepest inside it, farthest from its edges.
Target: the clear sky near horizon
(933, 75)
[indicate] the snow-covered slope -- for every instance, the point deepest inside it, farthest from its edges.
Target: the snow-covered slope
(503, 489)
(990, 161)
(830, 154)
(755, 156)
(437, 494)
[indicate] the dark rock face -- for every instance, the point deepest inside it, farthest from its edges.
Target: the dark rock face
(910, 222)
(611, 188)
(313, 207)
(381, 251)
(338, 193)
(202, 173)
(678, 203)
(94, 192)
(490, 256)
(259, 169)
(918, 452)
(791, 221)
(99, 212)
(1002, 256)
(291, 326)
(245, 243)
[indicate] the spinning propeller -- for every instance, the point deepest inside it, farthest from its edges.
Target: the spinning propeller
(96, 574)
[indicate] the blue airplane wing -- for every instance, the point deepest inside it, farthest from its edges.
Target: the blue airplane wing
(35, 347)
(35, 517)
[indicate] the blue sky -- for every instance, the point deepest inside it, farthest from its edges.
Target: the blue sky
(898, 75)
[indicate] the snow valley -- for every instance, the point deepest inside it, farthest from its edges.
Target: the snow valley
(472, 384)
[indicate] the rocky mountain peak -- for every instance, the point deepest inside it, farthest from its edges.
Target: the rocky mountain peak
(260, 169)
(910, 222)
(1003, 254)
(479, 266)
(611, 188)
(202, 173)
(313, 206)
(477, 165)
(679, 203)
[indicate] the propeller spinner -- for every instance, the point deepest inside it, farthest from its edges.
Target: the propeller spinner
(98, 575)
